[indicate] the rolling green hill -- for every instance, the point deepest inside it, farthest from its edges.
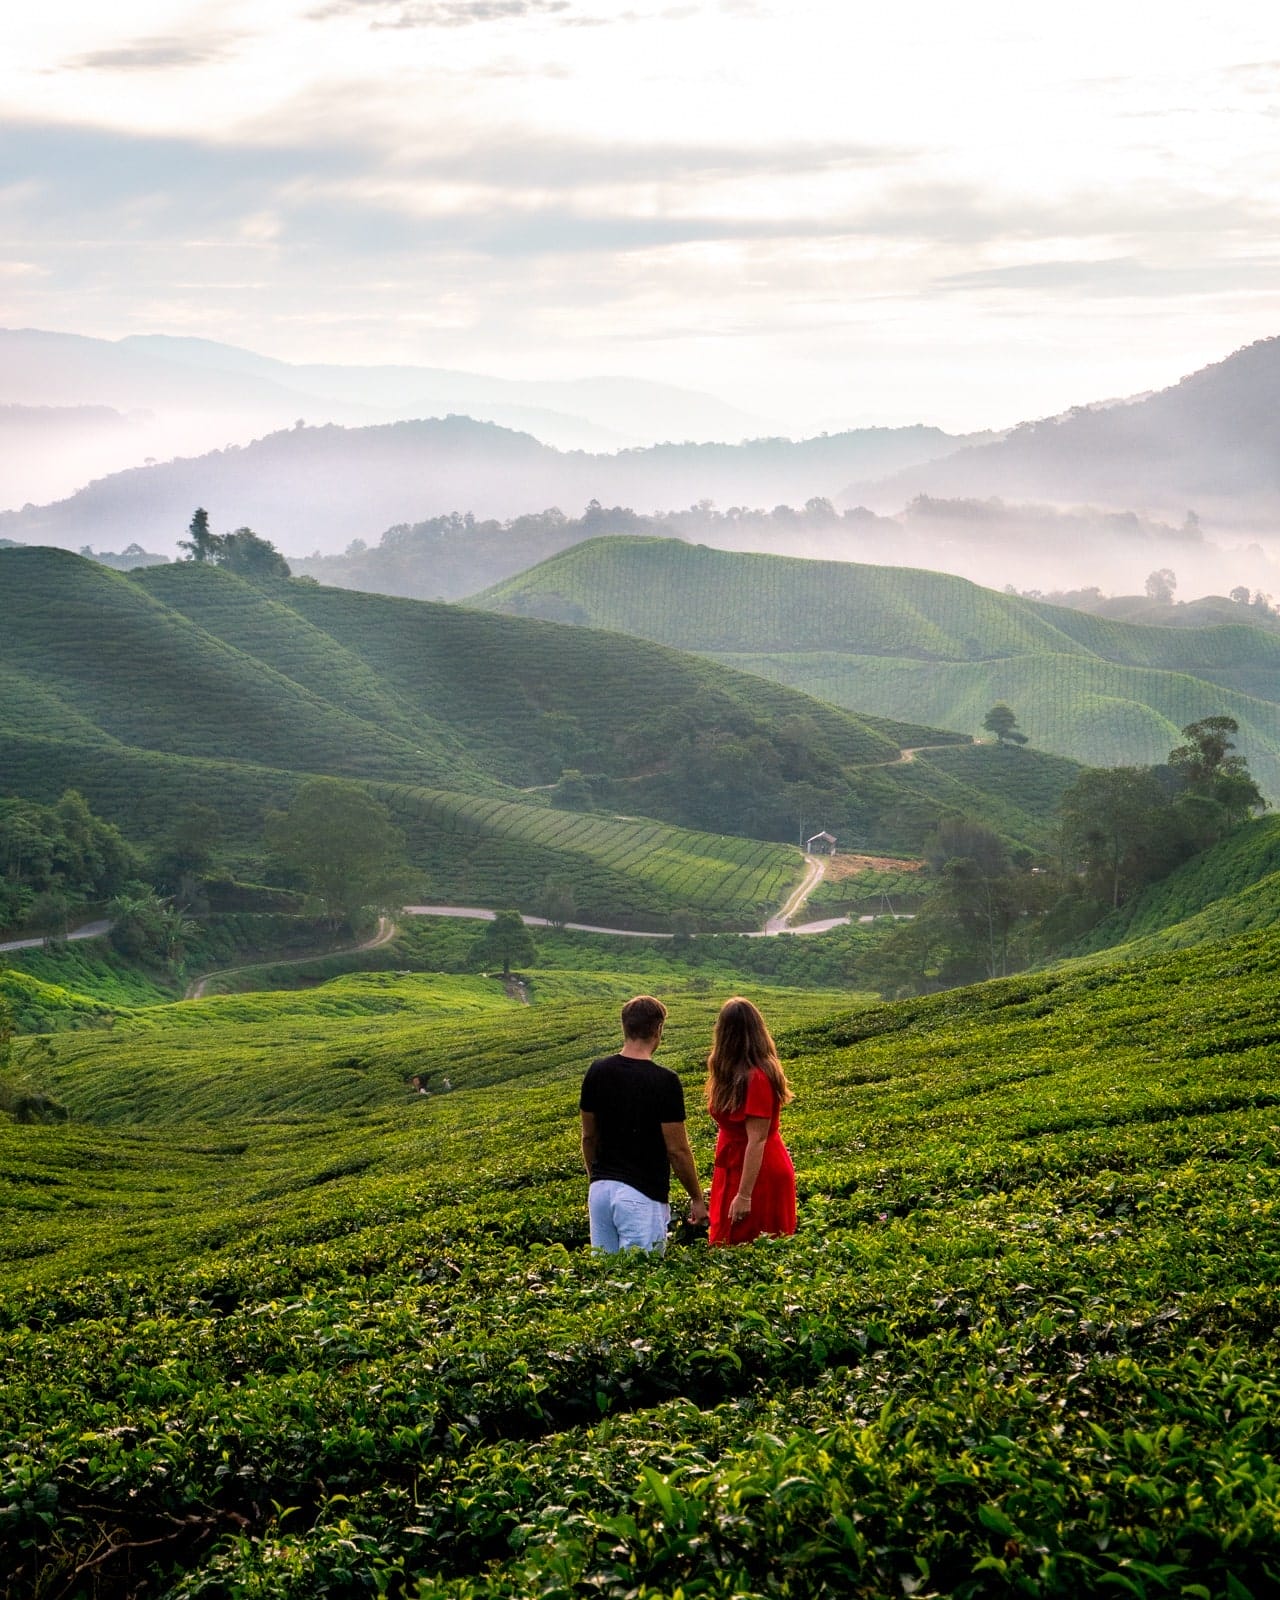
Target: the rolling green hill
(147, 676)
(178, 683)
(287, 1330)
(926, 647)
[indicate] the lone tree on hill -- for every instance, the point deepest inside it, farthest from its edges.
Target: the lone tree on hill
(505, 939)
(202, 544)
(250, 556)
(1001, 721)
(243, 552)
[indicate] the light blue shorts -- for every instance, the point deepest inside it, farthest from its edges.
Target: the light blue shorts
(624, 1219)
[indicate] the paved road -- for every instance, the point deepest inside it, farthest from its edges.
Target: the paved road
(88, 930)
(482, 915)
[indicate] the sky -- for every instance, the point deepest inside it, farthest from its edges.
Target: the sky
(829, 213)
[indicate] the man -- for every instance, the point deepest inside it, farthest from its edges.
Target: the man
(633, 1138)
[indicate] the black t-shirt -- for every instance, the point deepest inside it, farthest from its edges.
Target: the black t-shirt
(630, 1099)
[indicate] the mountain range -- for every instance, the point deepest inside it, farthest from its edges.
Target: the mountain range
(318, 488)
(159, 396)
(1209, 444)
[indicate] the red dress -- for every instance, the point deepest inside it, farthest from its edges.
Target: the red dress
(773, 1196)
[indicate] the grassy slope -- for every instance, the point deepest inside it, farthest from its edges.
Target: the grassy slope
(1026, 1334)
(926, 647)
(146, 675)
(148, 685)
(1092, 711)
(496, 679)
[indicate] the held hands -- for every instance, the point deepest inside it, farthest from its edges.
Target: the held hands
(739, 1207)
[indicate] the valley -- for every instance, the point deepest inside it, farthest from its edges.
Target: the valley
(295, 1293)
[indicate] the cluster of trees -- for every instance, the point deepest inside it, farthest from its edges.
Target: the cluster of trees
(61, 864)
(56, 859)
(243, 552)
(991, 911)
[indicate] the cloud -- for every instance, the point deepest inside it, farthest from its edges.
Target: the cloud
(155, 55)
(519, 158)
(438, 13)
(1122, 276)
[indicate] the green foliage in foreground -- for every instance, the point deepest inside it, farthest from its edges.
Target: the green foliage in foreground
(346, 1341)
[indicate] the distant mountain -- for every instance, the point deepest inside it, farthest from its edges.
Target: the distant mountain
(316, 489)
(37, 441)
(924, 646)
(1210, 444)
(187, 396)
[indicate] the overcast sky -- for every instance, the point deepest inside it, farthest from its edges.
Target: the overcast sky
(829, 212)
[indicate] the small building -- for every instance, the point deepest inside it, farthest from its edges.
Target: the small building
(824, 841)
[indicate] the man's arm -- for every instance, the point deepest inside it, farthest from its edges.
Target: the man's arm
(676, 1139)
(588, 1139)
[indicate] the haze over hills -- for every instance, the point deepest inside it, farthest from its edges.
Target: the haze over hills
(310, 488)
(1184, 479)
(186, 396)
(925, 646)
(1210, 444)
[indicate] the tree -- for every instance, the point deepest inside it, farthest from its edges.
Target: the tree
(187, 850)
(343, 845)
(6, 1032)
(1160, 586)
(1001, 721)
(683, 926)
(1116, 828)
(146, 927)
(249, 556)
(558, 901)
(505, 939)
(572, 792)
(1205, 767)
(202, 545)
(1240, 594)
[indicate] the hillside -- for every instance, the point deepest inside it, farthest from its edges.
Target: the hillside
(318, 488)
(874, 639)
(1209, 442)
(312, 1334)
(183, 683)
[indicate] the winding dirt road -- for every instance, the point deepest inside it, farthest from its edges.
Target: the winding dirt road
(815, 868)
(385, 934)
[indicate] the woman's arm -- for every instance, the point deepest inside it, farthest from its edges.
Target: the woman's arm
(757, 1132)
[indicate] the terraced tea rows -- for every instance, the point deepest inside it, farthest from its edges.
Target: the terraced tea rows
(737, 882)
(345, 1340)
(871, 639)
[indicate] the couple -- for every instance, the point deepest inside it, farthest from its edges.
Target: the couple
(633, 1134)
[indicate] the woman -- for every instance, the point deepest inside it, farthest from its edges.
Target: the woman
(753, 1186)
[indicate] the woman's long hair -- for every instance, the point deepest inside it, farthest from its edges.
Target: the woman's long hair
(741, 1041)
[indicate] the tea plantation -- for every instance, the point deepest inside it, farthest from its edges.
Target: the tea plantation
(870, 638)
(272, 1326)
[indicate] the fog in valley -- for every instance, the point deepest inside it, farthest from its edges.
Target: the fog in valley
(1100, 498)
